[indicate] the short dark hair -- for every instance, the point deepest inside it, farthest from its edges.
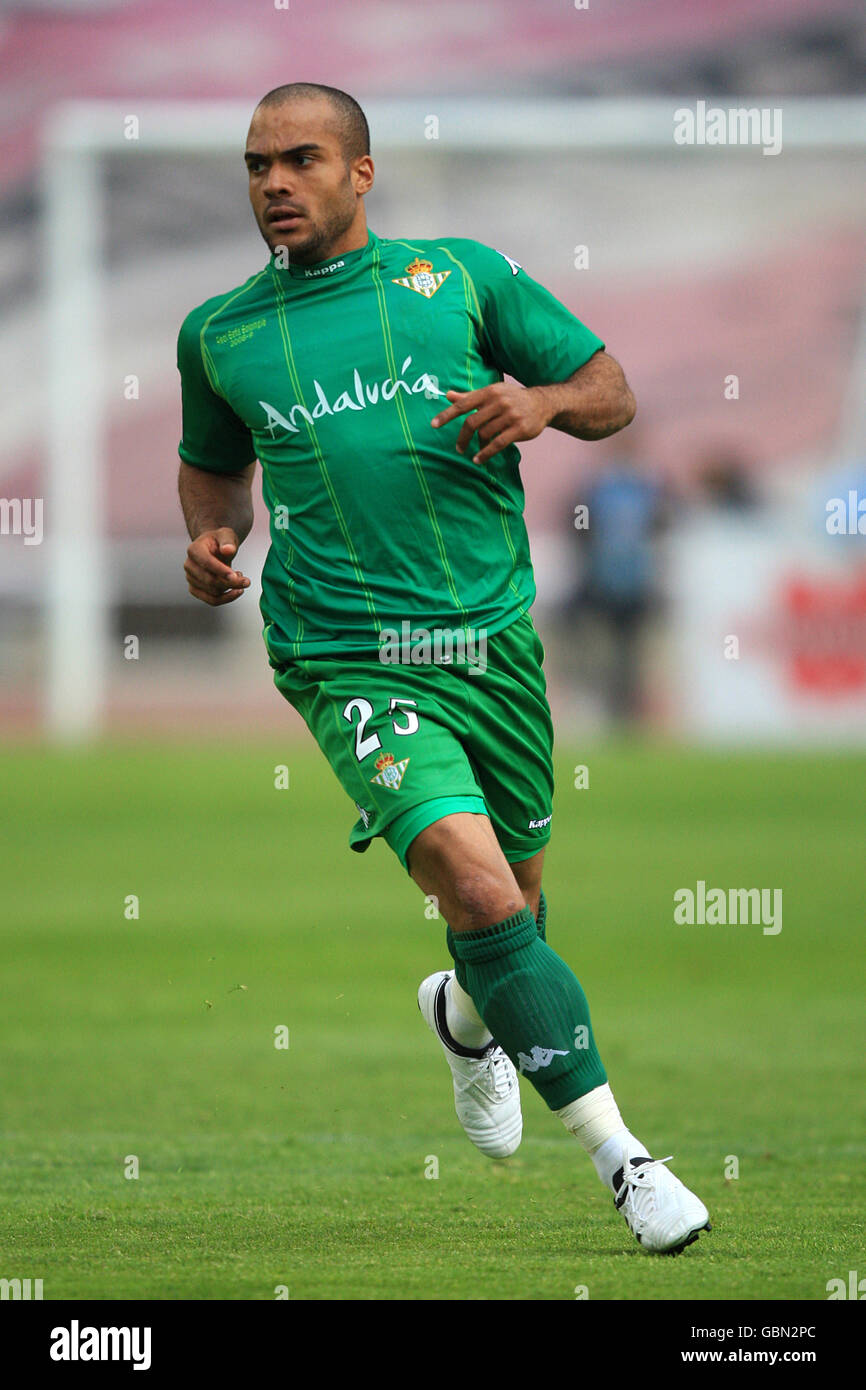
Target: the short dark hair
(351, 121)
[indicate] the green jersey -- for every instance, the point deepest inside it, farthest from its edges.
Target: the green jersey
(330, 375)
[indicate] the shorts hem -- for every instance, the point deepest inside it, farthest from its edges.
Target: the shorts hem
(518, 852)
(361, 837)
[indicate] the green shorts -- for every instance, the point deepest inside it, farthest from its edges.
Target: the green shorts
(413, 743)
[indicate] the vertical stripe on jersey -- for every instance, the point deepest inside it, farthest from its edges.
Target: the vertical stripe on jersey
(410, 442)
(470, 295)
(270, 495)
(467, 283)
(213, 378)
(320, 458)
(466, 291)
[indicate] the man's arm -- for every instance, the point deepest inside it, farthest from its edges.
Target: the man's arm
(594, 402)
(218, 511)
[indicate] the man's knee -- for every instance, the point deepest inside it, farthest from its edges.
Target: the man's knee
(459, 860)
(528, 873)
(483, 898)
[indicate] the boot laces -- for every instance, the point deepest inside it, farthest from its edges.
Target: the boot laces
(637, 1188)
(492, 1072)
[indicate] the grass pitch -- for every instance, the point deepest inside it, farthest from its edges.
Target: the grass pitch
(153, 1038)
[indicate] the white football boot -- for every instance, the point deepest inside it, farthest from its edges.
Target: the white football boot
(486, 1093)
(658, 1209)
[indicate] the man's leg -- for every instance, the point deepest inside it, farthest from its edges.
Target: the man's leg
(528, 874)
(534, 1006)
(465, 1023)
(529, 998)
(459, 860)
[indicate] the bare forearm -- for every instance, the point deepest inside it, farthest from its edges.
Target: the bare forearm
(594, 402)
(211, 501)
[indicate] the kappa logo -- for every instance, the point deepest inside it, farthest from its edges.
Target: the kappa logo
(390, 773)
(364, 814)
(324, 270)
(422, 278)
(515, 265)
(541, 1057)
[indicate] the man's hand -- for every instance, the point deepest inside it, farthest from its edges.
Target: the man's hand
(208, 575)
(503, 414)
(594, 402)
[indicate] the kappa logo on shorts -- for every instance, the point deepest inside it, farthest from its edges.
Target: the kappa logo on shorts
(390, 774)
(539, 824)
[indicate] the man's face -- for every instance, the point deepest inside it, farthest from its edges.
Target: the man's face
(304, 197)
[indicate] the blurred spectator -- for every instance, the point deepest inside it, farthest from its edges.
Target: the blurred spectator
(617, 527)
(725, 481)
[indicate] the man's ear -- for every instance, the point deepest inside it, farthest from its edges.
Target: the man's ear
(363, 173)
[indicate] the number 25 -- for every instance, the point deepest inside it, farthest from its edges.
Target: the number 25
(365, 746)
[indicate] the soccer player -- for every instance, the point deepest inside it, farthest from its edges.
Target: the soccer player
(366, 376)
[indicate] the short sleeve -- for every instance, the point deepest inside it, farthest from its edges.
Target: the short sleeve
(528, 333)
(214, 437)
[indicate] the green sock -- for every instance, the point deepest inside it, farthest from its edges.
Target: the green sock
(532, 1004)
(541, 925)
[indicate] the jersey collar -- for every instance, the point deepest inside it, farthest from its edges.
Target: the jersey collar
(322, 272)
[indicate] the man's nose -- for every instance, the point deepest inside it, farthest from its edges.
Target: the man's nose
(279, 179)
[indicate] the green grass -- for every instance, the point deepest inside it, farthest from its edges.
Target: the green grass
(305, 1167)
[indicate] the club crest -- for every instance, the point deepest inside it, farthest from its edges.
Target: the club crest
(422, 278)
(390, 774)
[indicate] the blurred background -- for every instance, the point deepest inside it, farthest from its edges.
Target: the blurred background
(178, 883)
(702, 575)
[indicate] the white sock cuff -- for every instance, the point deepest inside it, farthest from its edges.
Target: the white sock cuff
(592, 1118)
(463, 1003)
